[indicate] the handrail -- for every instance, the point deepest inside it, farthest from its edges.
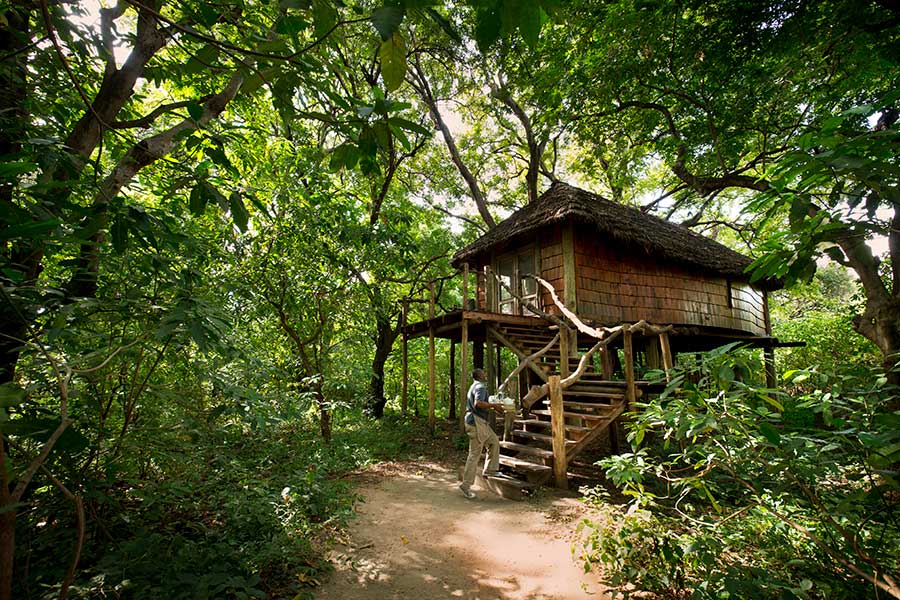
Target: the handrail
(526, 361)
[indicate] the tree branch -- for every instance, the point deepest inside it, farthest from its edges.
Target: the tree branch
(420, 83)
(149, 118)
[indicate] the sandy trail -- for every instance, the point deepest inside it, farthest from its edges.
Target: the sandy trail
(417, 537)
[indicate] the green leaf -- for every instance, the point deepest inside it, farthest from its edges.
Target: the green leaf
(119, 232)
(725, 374)
(13, 169)
(11, 395)
(338, 158)
(198, 199)
(295, 4)
(530, 22)
(291, 24)
(238, 211)
(444, 24)
(208, 54)
(393, 61)
(195, 110)
(798, 212)
(770, 433)
(398, 133)
(487, 28)
(325, 17)
(409, 126)
(33, 229)
(387, 19)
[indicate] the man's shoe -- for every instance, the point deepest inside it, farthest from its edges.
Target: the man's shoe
(467, 492)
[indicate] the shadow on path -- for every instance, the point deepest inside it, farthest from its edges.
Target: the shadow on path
(417, 537)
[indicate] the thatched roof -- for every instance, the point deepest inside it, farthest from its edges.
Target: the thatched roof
(627, 226)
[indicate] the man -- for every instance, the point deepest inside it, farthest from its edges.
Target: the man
(479, 432)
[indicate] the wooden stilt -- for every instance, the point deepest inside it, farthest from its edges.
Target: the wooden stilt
(431, 380)
(606, 363)
(431, 369)
(769, 360)
(464, 373)
(563, 353)
(451, 402)
(490, 367)
(628, 367)
(558, 430)
(499, 364)
(668, 361)
(465, 287)
(404, 364)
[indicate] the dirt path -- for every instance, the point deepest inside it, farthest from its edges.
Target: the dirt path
(417, 537)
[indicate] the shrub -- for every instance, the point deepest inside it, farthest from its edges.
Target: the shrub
(728, 500)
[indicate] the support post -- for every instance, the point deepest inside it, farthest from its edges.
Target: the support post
(606, 363)
(614, 436)
(667, 360)
(463, 370)
(404, 368)
(431, 375)
(465, 287)
(628, 367)
(451, 403)
(570, 293)
(558, 429)
(490, 367)
(563, 352)
(769, 360)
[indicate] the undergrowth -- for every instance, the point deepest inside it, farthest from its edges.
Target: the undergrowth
(738, 491)
(225, 513)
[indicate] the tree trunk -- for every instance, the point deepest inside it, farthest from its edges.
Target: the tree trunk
(324, 414)
(385, 336)
(14, 37)
(7, 552)
(880, 324)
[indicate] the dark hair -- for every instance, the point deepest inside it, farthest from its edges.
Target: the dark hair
(475, 373)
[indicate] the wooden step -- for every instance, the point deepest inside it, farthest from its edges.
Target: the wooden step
(589, 405)
(539, 437)
(536, 474)
(529, 450)
(506, 486)
(537, 422)
(523, 465)
(586, 394)
(575, 415)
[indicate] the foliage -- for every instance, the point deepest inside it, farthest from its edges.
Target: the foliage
(731, 497)
(819, 314)
(225, 512)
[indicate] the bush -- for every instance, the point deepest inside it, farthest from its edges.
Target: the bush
(223, 513)
(728, 500)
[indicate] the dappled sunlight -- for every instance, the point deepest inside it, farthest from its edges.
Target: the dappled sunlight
(417, 537)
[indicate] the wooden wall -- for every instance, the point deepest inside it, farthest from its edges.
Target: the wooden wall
(615, 285)
(551, 266)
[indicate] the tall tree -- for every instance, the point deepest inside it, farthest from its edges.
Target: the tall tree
(764, 100)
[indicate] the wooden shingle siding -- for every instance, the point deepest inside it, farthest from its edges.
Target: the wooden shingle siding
(617, 285)
(552, 267)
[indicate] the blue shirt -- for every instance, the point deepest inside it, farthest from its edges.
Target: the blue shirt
(477, 392)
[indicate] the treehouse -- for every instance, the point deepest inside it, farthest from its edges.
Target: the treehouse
(587, 295)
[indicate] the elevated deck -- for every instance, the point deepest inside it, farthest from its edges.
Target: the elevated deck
(685, 338)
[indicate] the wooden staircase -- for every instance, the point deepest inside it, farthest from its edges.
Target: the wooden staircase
(590, 407)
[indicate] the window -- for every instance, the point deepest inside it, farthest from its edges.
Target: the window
(527, 285)
(513, 270)
(507, 279)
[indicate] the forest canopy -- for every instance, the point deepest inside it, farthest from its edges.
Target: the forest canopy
(215, 217)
